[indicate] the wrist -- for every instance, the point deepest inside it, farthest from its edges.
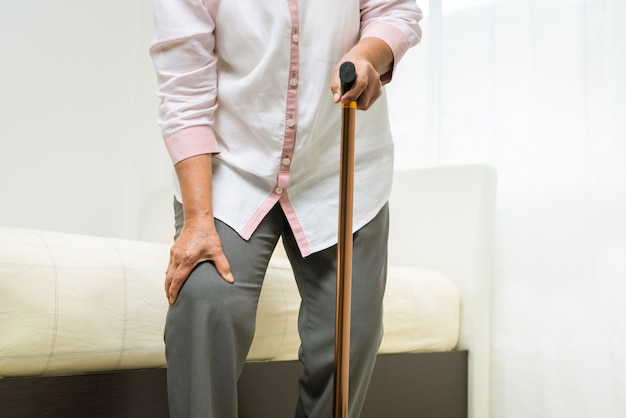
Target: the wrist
(376, 52)
(199, 219)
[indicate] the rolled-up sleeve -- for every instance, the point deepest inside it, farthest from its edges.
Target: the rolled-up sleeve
(395, 22)
(185, 62)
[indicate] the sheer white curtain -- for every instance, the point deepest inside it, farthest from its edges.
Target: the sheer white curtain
(538, 89)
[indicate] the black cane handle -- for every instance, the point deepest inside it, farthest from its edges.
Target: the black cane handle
(347, 75)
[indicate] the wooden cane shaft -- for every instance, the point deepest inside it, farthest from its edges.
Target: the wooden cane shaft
(344, 262)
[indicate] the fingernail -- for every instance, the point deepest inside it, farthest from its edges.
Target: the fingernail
(230, 278)
(336, 97)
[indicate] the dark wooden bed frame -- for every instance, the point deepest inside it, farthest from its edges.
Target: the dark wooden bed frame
(420, 385)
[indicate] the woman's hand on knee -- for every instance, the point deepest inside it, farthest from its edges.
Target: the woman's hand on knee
(196, 243)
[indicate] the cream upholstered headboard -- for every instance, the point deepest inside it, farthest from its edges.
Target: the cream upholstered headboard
(442, 219)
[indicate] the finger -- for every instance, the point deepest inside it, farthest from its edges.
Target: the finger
(350, 95)
(168, 282)
(369, 97)
(223, 267)
(172, 269)
(335, 86)
(179, 277)
(175, 282)
(355, 91)
(168, 275)
(363, 89)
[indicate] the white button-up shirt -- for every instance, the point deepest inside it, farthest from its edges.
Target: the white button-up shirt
(249, 81)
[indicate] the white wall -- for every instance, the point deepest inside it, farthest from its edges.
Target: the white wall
(80, 151)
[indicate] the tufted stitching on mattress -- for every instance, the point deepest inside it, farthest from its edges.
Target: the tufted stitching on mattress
(90, 352)
(125, 319)
(55, 326)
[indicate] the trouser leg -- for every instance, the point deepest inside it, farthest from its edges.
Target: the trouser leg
(210, 328)
(316, 278)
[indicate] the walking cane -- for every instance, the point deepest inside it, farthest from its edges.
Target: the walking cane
(347, 74)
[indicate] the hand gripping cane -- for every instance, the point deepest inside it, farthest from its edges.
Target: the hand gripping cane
(347, 74)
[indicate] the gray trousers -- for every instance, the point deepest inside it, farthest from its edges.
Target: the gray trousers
(209, 329)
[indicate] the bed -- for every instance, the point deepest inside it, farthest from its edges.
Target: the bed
(81, 317)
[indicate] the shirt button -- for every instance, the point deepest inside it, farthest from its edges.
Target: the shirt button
(293, 82)
(295, 38)
(286, 161)
(279, 190)
(291, 123)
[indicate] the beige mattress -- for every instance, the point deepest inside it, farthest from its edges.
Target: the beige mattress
(74, 304)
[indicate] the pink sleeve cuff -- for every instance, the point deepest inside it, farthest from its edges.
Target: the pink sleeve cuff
(396, 40)
(191, 141)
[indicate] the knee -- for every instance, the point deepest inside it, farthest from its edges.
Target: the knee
(205, 296)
